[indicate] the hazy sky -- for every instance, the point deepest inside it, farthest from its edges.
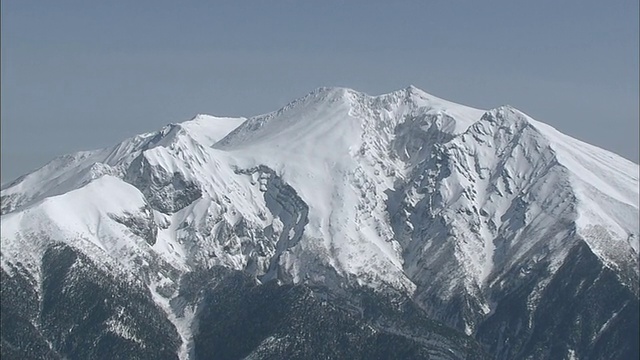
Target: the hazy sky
(79, 75)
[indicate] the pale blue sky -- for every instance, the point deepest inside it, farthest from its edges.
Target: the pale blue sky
(79, 75)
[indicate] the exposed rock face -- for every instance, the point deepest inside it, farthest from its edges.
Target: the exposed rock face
(290, 214)
(341, 226)
(166, 192)
(141, 224)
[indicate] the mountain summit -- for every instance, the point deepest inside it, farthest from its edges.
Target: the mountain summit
(427, 226)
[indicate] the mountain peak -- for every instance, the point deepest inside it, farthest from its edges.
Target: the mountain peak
(462, 211)
(412, 89)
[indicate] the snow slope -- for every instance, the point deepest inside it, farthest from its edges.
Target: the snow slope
(404, 191)
(71, 171)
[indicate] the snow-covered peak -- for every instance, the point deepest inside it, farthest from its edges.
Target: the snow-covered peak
(616, 177)
(422, 98)
(72, 171)
(376, 189)
(606, 186)
(510, 154)
(207, 129)
(327, 103)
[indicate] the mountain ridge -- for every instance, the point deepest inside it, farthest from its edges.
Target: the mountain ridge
(405, 192)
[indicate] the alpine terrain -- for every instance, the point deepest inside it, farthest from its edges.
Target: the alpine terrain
(342, 226)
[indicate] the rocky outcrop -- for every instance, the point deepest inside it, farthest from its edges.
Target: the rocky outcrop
(165, 192)
(141, 224)
(290, 212)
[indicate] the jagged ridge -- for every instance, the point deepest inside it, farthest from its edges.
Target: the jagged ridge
(402, 192)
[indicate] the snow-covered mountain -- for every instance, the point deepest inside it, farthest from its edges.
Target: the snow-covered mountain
(488, 222)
